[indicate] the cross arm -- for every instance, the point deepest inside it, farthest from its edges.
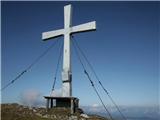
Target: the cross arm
(52, 34)
(84, 27)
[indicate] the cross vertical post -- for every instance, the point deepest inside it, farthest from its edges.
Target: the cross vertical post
(66, 32)
(66, 72)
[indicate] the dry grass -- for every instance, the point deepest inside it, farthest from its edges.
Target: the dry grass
(19, 112)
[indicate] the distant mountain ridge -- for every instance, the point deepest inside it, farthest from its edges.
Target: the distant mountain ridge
(131, 112)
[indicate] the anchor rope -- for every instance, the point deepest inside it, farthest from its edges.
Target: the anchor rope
(57, 67)
(30, 66)
(92, 83)
(98, 94)
(100, 83)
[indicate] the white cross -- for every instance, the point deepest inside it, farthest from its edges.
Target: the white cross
(67, 31)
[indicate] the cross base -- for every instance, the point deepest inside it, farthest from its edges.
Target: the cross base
(62, 102)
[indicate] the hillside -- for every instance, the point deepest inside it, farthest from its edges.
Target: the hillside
(20, 112)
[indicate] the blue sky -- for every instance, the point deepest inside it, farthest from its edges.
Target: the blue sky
(123, 49)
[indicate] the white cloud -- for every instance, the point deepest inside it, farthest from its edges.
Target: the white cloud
(32, 98)
(95, 105)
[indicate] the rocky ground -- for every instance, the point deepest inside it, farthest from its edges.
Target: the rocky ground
(20, 112)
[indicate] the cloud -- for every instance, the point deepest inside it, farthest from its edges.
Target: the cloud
(95, 108)
(32, 98)
(95, 105)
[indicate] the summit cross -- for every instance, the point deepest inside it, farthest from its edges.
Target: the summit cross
(67, 32)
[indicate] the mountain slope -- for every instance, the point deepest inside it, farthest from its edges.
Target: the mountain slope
(20, 112)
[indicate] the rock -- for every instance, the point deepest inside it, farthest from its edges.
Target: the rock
(85, 116)
(73, 118)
